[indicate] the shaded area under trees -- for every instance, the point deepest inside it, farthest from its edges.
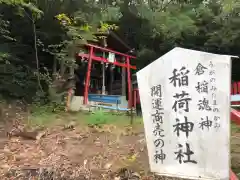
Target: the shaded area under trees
(39, 38)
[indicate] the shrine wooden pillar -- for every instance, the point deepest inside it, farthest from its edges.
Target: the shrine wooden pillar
(129, 83)
(123, 79)
(233, 176)
(85, 100)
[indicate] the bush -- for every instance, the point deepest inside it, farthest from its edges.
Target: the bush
(98, 118)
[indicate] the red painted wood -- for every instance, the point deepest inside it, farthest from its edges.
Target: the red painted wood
(235, 116)
(233, 176)
(88, 76)
(238, 87)
(101, 59)
(91, 57)
(112, 51)
(234, 88)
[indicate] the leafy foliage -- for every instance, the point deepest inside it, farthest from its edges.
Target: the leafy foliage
(98, 118)
(36, 35)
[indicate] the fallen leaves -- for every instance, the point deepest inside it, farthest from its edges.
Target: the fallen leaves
(127, 174)
(132, 158)
(70, 125)
(108, 166)
(95, 153)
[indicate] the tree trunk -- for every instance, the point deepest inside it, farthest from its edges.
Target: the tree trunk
(36, 54)
(54, 73)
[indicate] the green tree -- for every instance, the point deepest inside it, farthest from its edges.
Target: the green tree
(39, 38)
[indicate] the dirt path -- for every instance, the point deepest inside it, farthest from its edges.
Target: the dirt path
(99, 153)
(85, 153)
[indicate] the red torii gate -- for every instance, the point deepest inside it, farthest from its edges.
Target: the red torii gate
(91, 56)
(235, 115)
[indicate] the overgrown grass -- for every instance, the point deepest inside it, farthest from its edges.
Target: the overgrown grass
(46, 118)
(100, 117)
(235, 128)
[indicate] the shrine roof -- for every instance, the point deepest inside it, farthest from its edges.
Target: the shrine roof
(116, 43)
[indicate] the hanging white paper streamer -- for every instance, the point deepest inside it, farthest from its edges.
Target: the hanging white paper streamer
(111, 57)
